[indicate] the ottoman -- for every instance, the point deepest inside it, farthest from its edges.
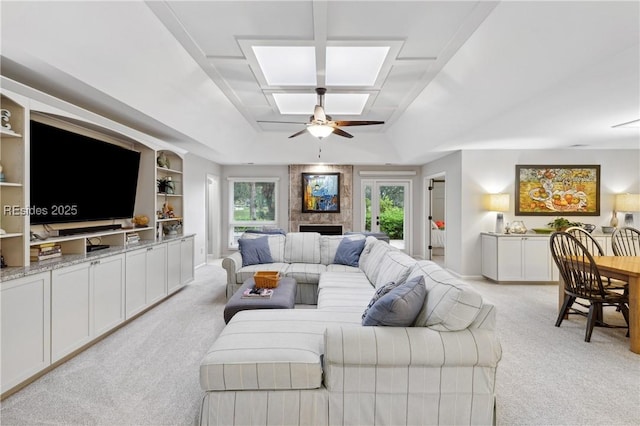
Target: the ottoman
(283, 297)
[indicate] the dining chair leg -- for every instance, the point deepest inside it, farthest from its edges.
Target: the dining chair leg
(591, 320)
(566, 305)
(624, 309)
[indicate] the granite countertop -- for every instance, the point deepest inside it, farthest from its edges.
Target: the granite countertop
(14, 272)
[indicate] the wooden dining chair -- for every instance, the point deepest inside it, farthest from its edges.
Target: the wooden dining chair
(594, 247)
(625, 241)
(583, 284)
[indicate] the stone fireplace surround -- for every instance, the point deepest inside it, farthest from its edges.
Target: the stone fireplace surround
(344, 218)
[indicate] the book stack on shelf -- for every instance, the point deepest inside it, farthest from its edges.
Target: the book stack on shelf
(257, 292)
(133, 238)
(45, 251)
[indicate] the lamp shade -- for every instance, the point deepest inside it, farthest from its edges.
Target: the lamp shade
(497, 202)
(320, 130)
(628, 202)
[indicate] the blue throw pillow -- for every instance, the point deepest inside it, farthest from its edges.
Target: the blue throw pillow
(400, 306)
(348, 252)
(381, 291)
(255, 251)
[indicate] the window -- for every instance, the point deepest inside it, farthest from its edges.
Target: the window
(253, 205)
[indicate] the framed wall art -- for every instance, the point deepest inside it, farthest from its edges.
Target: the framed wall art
(557, 190)
(320, 192)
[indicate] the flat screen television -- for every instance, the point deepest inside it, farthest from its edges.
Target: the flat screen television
(76, 178)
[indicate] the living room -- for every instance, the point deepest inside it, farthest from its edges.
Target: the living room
(549, 98)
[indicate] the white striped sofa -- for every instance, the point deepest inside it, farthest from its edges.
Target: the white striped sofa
(322, 367)
(300, 255)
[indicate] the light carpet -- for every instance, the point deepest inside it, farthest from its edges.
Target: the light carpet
(146, 373)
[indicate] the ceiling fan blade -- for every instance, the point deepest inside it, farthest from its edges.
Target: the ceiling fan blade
(358, 123)
(342, 133)
(297, 133)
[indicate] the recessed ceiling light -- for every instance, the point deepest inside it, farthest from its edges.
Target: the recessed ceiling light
(628, 125)
(287, 65)
(354, 65)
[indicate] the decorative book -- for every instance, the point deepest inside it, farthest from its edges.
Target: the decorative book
(257, 293)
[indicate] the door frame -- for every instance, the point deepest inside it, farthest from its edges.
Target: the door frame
(428, 213)
(408, 202)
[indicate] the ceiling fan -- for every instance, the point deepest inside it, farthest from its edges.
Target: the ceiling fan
(321, 125)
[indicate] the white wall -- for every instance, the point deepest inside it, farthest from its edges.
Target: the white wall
(471, 174)
(195, 171)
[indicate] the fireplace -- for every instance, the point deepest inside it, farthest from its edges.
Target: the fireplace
(322, 229)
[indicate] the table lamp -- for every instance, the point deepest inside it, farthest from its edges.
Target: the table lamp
(498, 203)
(628, 203)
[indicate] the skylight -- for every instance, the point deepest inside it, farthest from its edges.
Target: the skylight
(295, 103)
(354, 65)
(335, 103)
(287, 65)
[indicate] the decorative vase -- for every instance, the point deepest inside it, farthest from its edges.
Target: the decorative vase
(517, 227)
(614, 219)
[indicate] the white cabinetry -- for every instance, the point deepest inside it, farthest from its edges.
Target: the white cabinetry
(86, 301)
(146, 278)
(180, 268)
(26, 331)
(517, 258)
(107, 277)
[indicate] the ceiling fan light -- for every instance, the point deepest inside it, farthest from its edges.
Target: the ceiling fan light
(320, 130)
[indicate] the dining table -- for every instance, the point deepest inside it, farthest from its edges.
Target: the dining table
(623, 268)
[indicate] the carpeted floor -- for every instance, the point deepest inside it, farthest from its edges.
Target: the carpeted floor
(146, 373)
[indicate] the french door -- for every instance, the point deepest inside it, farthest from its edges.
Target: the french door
(386, 209)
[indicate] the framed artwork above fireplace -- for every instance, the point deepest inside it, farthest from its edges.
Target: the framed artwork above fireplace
(320, 192)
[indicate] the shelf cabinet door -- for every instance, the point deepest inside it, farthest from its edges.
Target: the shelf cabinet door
(510, 259)
(536, 259)
(26, 328)
(135, 282)
(187, 267)
(70, 302)
(108, 276)
(174, 262)
(156, 277)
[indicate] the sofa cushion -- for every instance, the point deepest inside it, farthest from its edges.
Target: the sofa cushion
(276, 244)
(399, 307)
(270, 349)
(307, 273)
(329, 245)
(381, 291)
(302, 247)
(348, 252)
(255, 251)
(394, 266)
(372, 256)
(450, 304)
(342, 268)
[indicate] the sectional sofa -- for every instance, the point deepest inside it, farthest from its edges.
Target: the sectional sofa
(322, 366)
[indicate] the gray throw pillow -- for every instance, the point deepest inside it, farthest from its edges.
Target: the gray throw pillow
(348, 252)
(255, 251)
(381, 291)
(400, 306)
